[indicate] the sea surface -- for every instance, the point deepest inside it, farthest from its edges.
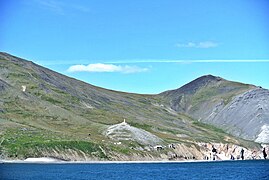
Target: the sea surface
(255, 169)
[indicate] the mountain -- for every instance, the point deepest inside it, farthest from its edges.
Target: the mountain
(44, 113)
(239, 109)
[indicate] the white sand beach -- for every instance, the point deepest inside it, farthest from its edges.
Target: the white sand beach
(42, 159)
(34, 160)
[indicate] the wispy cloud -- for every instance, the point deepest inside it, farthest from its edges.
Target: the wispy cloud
(142, 61)
(52, 5)
(230, 61)
(191, 61)
(61, 7)
(99, 67)
(204, 44)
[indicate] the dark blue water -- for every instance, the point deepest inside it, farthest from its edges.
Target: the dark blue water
(198, 170)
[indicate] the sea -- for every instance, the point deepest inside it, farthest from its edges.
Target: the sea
(248, 169)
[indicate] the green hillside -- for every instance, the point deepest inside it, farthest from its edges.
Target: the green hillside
(44, 113)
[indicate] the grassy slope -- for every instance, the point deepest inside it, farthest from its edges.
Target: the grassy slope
(55, 112)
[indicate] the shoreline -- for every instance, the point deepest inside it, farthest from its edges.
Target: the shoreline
(56, 161)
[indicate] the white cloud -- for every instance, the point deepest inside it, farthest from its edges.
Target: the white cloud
(204, 44)
(99, 67)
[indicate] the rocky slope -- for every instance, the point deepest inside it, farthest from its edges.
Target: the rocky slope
(246, 115)
(44, 113)
(125, 132)
(239, 109)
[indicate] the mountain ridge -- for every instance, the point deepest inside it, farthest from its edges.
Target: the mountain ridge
(57, 108)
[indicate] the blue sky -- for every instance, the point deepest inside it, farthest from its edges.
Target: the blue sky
(141, 46)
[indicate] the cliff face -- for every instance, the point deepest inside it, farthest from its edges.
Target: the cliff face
(179, 152)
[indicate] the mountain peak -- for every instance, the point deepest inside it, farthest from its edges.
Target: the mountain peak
(209, 77)
(193, 86)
